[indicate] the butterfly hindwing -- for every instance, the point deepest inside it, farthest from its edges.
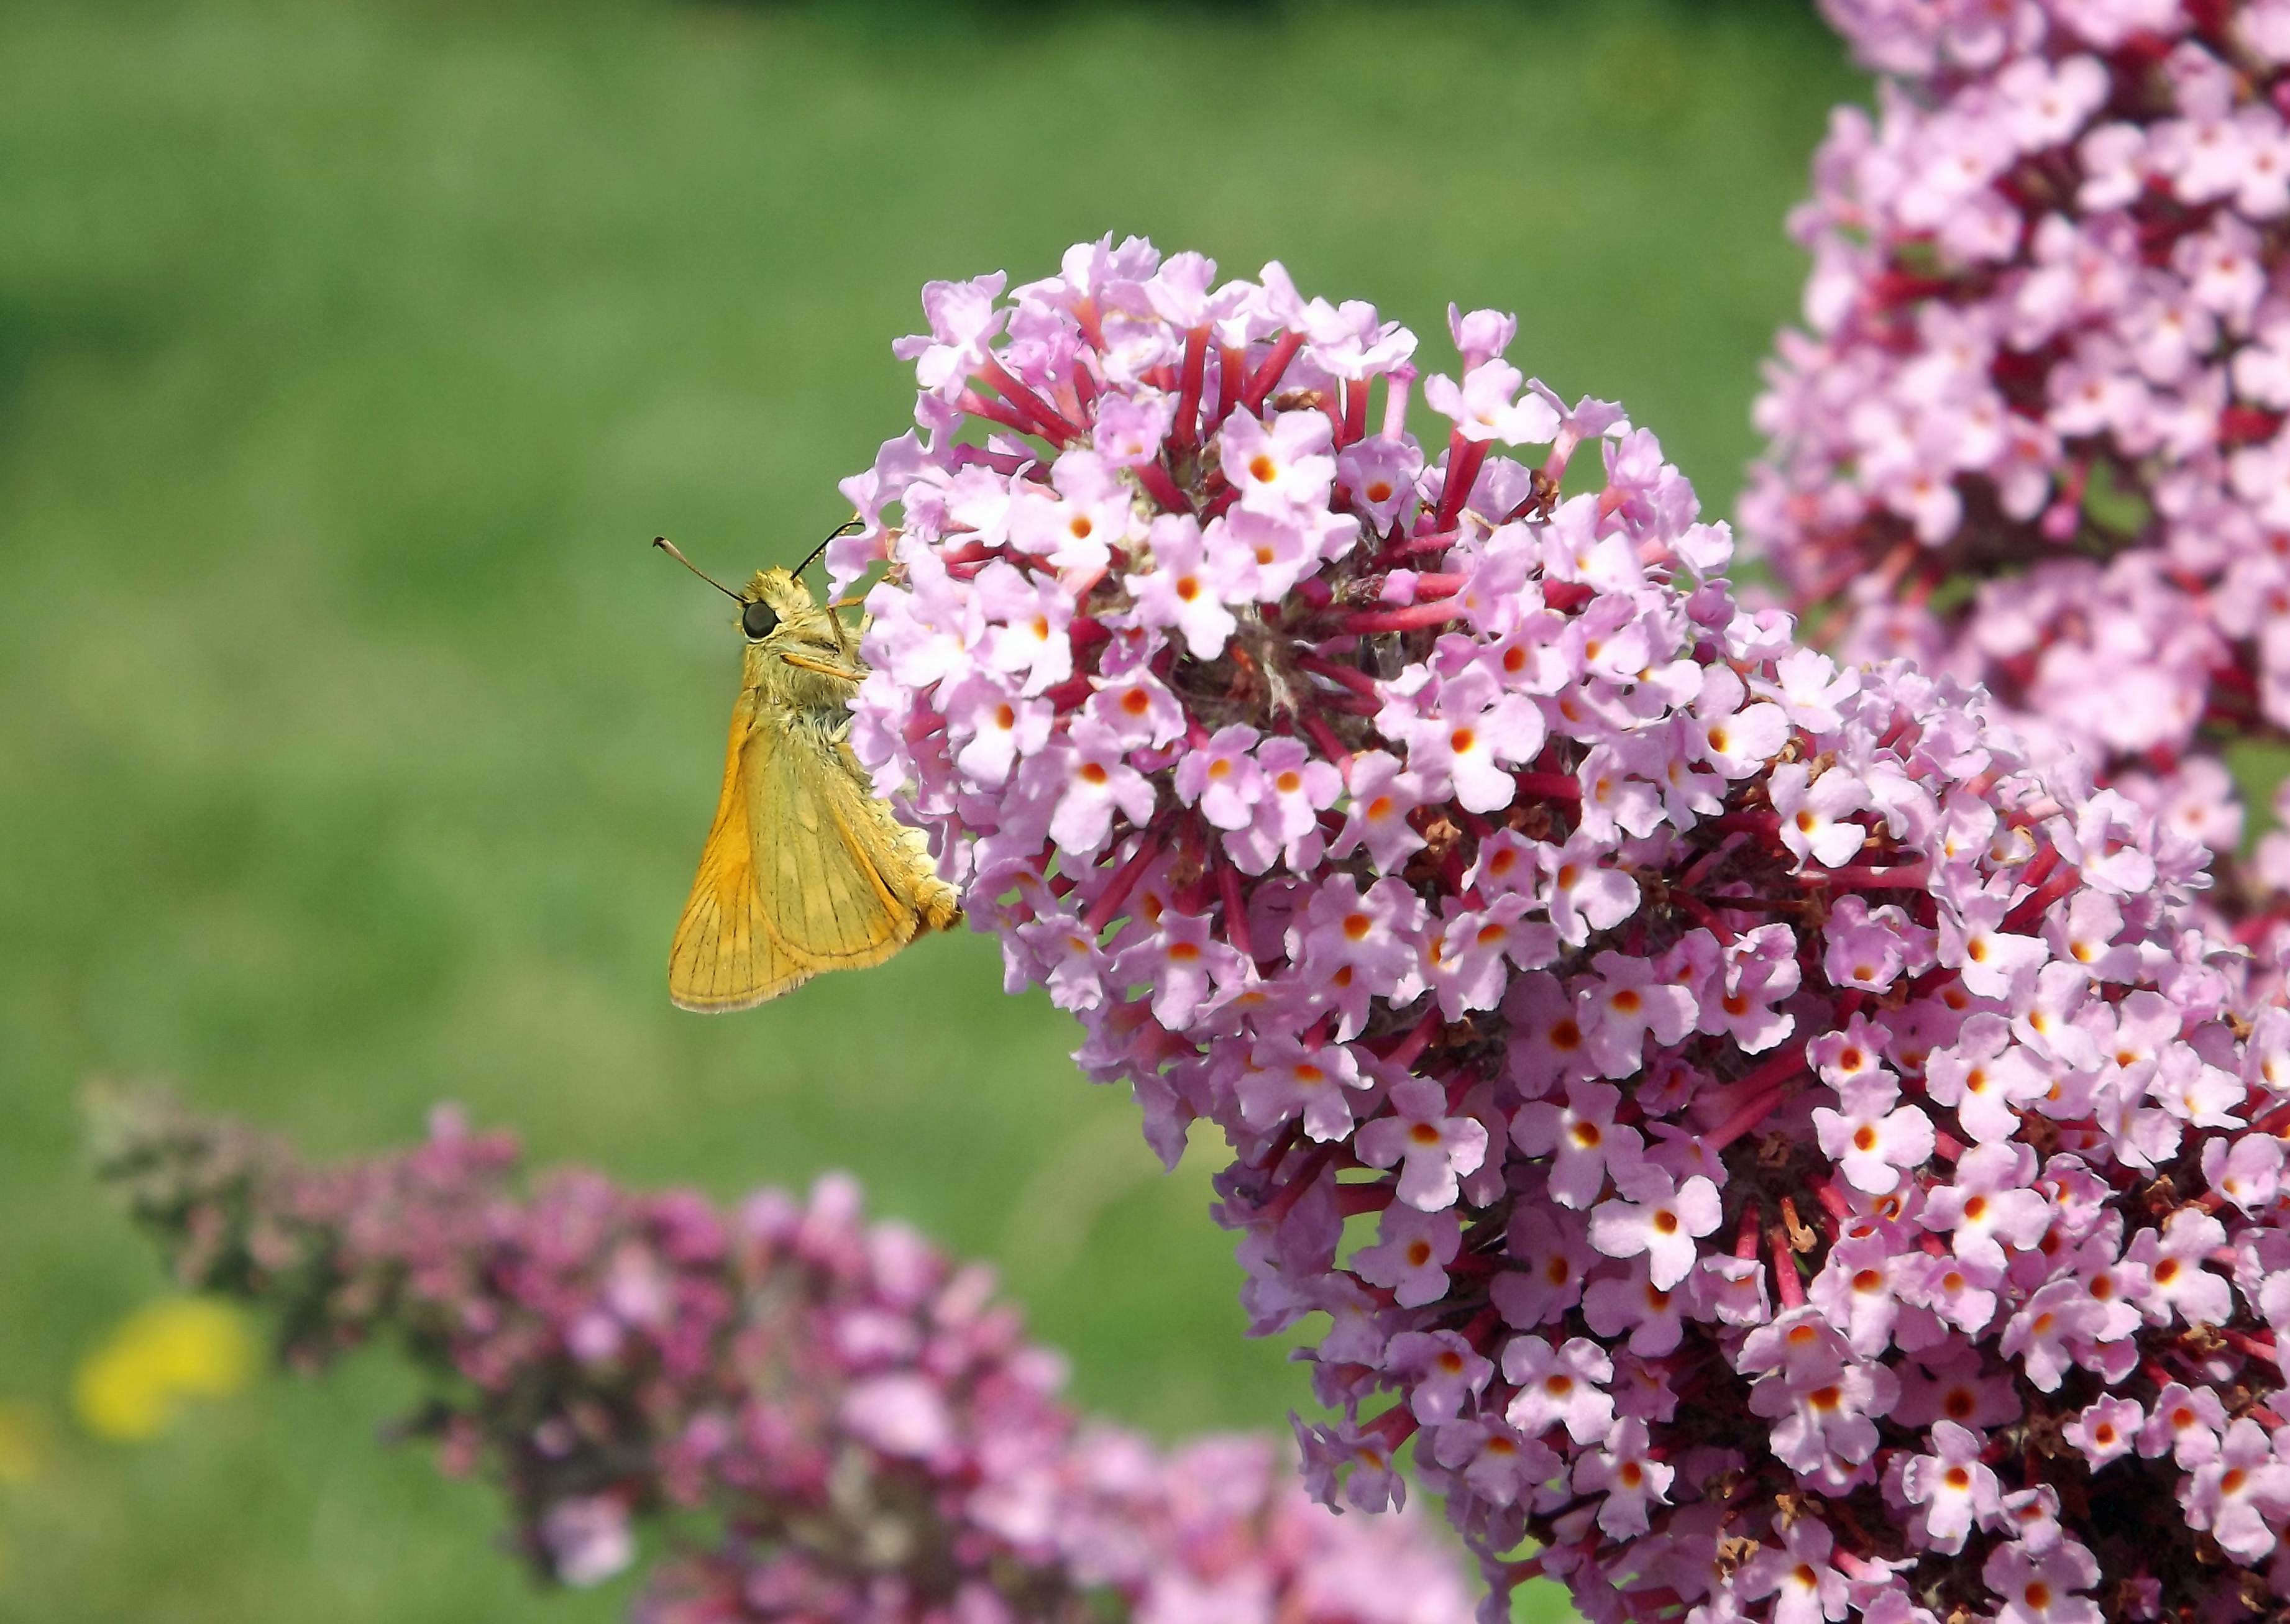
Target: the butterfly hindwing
(825, 896)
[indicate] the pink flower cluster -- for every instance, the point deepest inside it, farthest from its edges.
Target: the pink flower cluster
(1753, 1133)
(2034, 434)
(872, 1433)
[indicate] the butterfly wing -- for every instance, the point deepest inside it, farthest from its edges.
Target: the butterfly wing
(805, 870)
(724, 958)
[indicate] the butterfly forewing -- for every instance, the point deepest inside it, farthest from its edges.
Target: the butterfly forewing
(725, 957)
(804, 869)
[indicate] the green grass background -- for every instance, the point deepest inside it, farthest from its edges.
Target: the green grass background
(354, 751)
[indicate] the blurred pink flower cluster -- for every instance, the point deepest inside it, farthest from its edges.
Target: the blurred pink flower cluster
(1756, 1134)
(866, 1427)
(2033, 434)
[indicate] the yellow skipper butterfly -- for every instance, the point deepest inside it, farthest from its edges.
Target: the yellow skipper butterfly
(804, 869)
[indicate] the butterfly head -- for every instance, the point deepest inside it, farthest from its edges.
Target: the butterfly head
(774, 606)
(773, 599)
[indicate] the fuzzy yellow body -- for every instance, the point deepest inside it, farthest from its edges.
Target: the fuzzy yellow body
(804, 869)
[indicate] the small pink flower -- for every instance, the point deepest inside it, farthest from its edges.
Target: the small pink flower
(1281, 468)
(1469, 966)
(1483, 407)
(1582, 1139)
(1986, 1079)
(1990, 1206)
(1856, 1290)
(1871, 1140)
(2241, 1494)
(964, 320)
(1091, 780)
(900, 1415)
(2173, 1258)
(1182, 961)
(1383, 793)
(1562, 1386)
(1952, 1485)
(1285, 1080)
(1223, 778)
(1624, 1006)
(1379, 476)
(1815, 813)
(1583, 894)
(2044, 1335)
(1178, 592)
(2106, 1429)
(1430, 1147)
(1500, 1465)
(1795, 1570)
(1478, 729)
(2249, 1173)
(2186, 1422)
(1294, 788)
(2043, 1589)
(588, 1539)
(1360, 944)
(1449, 1373)
(1657, 1217)
(1412, 1255)
(1627, 1475)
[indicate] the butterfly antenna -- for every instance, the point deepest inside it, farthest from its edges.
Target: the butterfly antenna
(853, 523)
(834, 620)
(668, 546)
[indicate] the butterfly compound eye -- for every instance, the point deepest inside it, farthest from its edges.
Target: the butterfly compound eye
(759, 620)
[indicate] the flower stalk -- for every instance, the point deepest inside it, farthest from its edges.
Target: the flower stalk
(867, 1431)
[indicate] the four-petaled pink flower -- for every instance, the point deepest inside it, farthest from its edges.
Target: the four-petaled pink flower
(2106, 1429)
(2043, 1587)
(1952, 1486)
(1872, 1139)
(1580, 1137)
(1431, 1147)
(1284, 1080)
(1797, 1571)
(1657, 1216)
(1815, 813)
(1627, 1476)
(1412, 1255)
(2242, 1495)
(1559, 1387)
(1484, 409)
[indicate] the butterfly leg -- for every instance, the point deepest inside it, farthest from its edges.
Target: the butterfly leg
(824, 667)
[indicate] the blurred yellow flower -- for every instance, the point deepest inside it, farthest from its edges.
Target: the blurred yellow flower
(129, 1388)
